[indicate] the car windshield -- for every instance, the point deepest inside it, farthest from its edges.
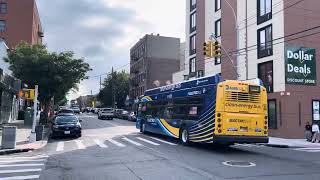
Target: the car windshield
(107, 110)
(66, 111)
(66, 119)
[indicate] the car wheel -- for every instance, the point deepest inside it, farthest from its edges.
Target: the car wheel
(184, 136)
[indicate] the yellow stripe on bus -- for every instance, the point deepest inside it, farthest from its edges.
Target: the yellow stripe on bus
(199, 137)
(201, 140)
(173, 130)
(211, 129)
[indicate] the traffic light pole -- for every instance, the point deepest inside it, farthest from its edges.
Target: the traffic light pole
(35, 110)
(230, 59)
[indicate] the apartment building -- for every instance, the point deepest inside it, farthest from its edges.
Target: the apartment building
(20, 21)
(153, 60)
(276, 43)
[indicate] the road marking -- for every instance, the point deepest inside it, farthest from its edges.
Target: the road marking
(132, 142)
(22, 160)
(100, 144)
(19, 170)
(60, 146)
(21, 177)
(167, 142)
(20, 165)
(308, 149)
(80, 144)
(16, 157)
(116, 143)
(147, 141)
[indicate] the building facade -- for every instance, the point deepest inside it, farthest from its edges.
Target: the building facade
(153, 60)
(20, 21)
(277, 43)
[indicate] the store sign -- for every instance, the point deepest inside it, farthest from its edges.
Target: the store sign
(300, 65)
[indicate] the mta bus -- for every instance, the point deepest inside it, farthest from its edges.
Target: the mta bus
(206, 110)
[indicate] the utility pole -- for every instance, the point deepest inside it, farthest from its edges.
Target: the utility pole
(100, 83)
(35, 110)
(113, 89)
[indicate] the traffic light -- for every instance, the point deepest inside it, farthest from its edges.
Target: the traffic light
(216, 49)
(208, 49)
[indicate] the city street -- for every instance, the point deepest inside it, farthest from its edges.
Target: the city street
(114, 149)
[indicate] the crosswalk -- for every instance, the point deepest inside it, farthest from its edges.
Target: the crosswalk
(17, 167)
(120, 142)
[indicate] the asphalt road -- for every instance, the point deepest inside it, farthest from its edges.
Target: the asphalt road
(115, 150)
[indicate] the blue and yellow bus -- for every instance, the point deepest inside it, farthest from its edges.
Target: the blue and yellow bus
(206, 110)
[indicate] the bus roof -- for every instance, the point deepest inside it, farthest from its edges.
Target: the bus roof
(204, 81)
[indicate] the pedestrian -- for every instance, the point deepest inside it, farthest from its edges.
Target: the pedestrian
(316, 133)
(308, 132)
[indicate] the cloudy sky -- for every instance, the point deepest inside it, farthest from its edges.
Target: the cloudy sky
(102, 31)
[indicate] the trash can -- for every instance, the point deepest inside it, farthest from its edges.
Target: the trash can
(39, 132)
(9, 137)
(28, 117)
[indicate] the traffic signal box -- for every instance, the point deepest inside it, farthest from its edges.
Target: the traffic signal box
(212, 49)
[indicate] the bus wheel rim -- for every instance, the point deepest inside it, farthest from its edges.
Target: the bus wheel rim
(185, 136)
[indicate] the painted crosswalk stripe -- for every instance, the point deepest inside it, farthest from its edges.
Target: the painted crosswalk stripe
(60, 146)
(21, 177)
(31, 157)
(22, 160)
(116, 143)
(308, 149)
(19, 170)
(80, 144)
(99, 143)
(163, 141)
(20, 165)
(147, 141)
(132, 142)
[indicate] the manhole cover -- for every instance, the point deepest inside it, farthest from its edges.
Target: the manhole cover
(239, 163)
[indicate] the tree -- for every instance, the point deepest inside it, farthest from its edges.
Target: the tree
(55, 73)
(116, 85)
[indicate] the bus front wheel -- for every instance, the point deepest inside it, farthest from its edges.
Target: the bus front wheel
(143, 128)
(184, 136)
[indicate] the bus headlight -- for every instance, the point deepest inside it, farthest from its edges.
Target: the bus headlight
(219, 131)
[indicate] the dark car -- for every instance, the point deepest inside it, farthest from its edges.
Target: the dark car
(118, 113)
(66, 124)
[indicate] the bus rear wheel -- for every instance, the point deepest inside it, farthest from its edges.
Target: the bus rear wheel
(184, 136)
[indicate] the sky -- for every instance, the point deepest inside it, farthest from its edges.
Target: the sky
(102, 31)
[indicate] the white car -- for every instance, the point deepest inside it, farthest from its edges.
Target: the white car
(106, 113)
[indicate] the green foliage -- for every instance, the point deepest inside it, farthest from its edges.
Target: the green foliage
(117, 82)
(55, 73)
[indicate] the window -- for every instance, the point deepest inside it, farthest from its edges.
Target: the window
(3, 8)
(192, 67)
(193, 4)
(265, 73)
(264, 10)
(193, 22)
(192, 44)
(217, 60)
(265, 42)
(217, 28)
(315, 110)
(2, 25)
(272, 114)
(217, 4)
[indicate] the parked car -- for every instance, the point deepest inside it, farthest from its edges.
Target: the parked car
(125, 115)
(65, 111)
(118, 113)
(106, 113)
(76, 110)
(132, 116)
(66, 124)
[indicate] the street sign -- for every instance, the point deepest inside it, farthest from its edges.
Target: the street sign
(300, 65)
(27, 94)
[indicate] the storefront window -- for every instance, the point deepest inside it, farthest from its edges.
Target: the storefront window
(272, 111)
(315, 110)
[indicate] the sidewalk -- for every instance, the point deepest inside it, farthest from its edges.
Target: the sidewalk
(291, 143)
(22, 139)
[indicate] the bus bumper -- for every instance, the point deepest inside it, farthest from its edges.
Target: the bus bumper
(240, 139)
